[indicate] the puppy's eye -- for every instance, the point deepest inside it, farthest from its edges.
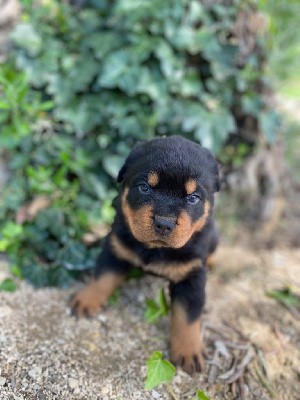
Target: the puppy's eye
(144, 188)
(193, 199)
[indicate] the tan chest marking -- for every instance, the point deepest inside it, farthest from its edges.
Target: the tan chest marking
(175, 271)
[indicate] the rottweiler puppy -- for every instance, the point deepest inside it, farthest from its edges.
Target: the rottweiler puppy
(164, 225)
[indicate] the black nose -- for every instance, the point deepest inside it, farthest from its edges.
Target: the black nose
(163, 225)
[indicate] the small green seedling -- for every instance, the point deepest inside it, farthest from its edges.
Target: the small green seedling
(200, 395)
(8, 285)
(285, 296)
(158, 371)
(156, 309)
(114, 298)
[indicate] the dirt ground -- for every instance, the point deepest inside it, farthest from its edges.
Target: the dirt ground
(47, 354)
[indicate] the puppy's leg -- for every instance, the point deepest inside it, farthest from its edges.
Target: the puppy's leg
(109, 274)
(187, 298)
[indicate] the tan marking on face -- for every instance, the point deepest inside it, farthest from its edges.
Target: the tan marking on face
(201, 221)
(89, 300)
(141, 225)
(186, 341)
(190, 186)
(175, 271)
(140, 221)
(153, 179)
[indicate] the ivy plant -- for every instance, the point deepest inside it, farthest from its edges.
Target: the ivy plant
(84, 84)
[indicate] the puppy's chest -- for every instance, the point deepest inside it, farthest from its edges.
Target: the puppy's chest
(154, 263)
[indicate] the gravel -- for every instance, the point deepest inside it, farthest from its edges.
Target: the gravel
(45, 353)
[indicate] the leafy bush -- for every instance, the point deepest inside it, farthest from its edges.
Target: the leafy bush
(284, 39)
(91, 82)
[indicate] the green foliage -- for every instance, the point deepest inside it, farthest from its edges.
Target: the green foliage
(284, 38)
(156, 309)
(114, 298)
(285, 296)
(200, 395)
(90, 83)
(158, 371)
(8, 285)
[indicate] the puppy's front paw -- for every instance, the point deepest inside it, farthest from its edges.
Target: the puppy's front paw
(86, 303)
(189, 360)
(186, 341)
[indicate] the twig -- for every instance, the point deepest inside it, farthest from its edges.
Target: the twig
(241, 384)
(237, 346)
(262, 362)
(240, 368)
(246, 360)
(213, 372)
(236, 376)
(264, 382)
(227, 374)
(171, 391)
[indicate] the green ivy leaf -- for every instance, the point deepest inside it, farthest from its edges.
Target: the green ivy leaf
(158, 371)
(156, 310)
(8, 285)
(200, 395)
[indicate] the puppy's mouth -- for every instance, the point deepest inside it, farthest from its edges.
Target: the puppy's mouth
(159, 243)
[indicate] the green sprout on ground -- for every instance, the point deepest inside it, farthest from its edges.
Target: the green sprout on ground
(160, 371)
(156, 309)
(284, 296)
(8, 285)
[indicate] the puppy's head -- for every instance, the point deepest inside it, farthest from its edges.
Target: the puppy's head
(168, 190)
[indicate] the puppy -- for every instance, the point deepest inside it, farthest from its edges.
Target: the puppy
(164, 225)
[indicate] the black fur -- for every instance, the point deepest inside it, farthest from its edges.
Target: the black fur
(177, 160)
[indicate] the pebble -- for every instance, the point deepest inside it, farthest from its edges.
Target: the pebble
(76, 391)
(35, 372)
(73, 383)
(155, 394)
(2, 381)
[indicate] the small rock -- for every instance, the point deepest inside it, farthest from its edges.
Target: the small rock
(73, 383)
(3, 339)
(41, 395)
(2, 381)
(35, 372)
(76, 391)
(155, 394)
(105, 390)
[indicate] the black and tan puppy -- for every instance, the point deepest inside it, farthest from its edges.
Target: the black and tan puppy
(164, 225)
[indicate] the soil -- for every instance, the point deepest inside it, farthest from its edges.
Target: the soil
(47, 354)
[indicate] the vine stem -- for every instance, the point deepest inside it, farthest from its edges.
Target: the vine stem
(171, 391)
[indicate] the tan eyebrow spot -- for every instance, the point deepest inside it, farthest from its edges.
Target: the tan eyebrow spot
(153, 179)
(190, 186)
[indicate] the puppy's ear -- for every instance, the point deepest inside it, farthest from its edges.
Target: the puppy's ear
(214, 168)
(136, 152)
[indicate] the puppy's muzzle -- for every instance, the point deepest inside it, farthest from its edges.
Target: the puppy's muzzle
(164, 225)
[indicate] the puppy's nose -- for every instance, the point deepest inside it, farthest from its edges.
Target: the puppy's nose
(163, 225)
